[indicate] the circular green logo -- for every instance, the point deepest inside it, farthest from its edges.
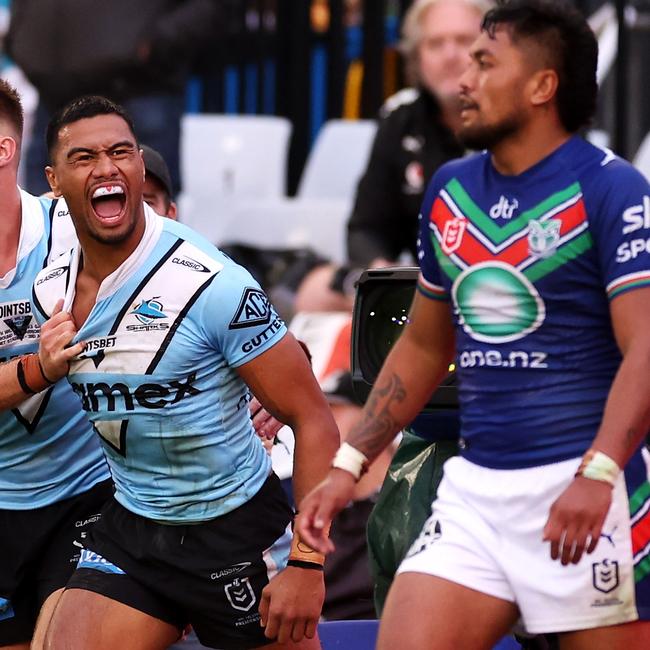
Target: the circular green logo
(497, 303)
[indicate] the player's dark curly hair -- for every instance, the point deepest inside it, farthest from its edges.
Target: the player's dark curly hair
(79, 109)
(572, 50)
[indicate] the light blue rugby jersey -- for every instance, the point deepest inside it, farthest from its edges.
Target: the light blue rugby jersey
(48, 451)
(158, 378)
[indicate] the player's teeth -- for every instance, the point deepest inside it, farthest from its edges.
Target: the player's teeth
(107, 191)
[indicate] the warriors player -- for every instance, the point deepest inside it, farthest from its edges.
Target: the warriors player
(536, 278)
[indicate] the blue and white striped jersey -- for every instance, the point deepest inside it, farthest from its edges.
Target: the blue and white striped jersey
(48, 451)
(157, 377)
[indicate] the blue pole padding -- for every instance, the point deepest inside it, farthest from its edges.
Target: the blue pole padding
(194, 95)
(318, 90)
(231, 90)
(250, 93)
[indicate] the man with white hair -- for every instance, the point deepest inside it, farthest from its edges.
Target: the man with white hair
(416, 133)
(415, 136)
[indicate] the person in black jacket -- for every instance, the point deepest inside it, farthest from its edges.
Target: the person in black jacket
(415, 136)
(416, 131)
(136, 53)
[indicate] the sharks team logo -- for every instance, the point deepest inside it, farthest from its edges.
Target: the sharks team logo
(149, 310)
(150, 314)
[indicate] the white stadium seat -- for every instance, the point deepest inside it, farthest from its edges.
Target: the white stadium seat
(231, 156)
(226, 159)
(318, 224)
(337, 159)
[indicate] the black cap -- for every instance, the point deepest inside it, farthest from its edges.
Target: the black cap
(155, 165)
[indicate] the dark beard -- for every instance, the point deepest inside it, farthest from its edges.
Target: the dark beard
(487, 137)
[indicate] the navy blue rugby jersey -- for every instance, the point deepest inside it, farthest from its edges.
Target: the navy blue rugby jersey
(531, 263)
(158, 375)
(48, 451)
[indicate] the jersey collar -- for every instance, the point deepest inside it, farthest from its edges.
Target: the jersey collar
(118, 278)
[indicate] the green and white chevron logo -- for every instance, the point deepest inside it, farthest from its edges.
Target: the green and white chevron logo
(497, 303)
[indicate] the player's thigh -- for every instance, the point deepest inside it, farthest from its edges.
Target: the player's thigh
(17, 646)
(84, 619)
(425, 612)
(630, 636)
(44, 617)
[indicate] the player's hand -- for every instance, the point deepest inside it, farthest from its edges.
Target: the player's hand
(576, 519)
(291, 604)
(56, 334)
(265, 425)
(320, 506)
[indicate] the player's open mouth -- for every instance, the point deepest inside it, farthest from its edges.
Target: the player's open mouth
(109, 202)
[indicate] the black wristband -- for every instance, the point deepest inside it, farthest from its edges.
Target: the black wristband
(20, 372)
(301, 564)
(40, 367)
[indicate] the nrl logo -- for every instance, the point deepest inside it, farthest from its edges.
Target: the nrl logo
(543, 237)
(452, 235)
(240, 594)
(605, 575)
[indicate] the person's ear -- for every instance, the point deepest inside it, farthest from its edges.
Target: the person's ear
(543, 86)
(51, 179)
(172, 211)
(8, 148)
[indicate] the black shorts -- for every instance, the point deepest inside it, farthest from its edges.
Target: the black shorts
(39, 550)
(209, 575)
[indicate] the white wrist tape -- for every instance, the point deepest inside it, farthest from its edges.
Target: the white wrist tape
(351, 460)
(599, 467)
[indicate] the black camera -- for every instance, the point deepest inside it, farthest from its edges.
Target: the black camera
(381, 309)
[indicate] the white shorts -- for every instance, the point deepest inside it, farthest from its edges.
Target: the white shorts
(485, 532)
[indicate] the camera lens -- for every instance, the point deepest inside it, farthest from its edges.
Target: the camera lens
(385, 313)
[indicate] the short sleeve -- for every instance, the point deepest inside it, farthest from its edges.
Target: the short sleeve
(430, 282)
(238, 318)
(621, 228)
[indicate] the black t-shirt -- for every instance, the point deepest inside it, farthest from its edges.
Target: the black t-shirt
(411, 143)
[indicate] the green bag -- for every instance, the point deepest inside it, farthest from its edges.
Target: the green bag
(403, 505)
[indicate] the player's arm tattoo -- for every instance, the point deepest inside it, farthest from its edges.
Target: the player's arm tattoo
(378, 426)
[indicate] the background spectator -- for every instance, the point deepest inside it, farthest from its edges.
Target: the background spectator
(138, 55)
(416, 132)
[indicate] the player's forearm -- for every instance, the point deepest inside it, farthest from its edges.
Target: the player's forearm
(20, 378)
(317, 440)
(11, 394)
(626, 419)
(409, 376)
